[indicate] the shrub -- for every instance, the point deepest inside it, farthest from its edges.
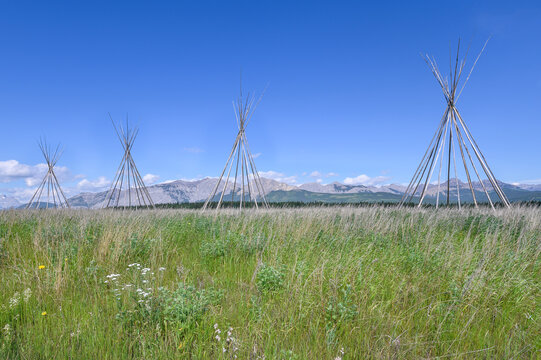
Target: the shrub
(269, 279)
(187, 304)
(214, 249)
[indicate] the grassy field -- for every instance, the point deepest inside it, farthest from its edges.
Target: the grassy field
(336, 283)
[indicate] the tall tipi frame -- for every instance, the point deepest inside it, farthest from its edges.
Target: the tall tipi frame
(127, 178)
(247, 182)
(452, 132)
(49, 184)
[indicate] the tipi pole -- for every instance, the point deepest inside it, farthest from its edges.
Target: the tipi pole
(223, 171)
(115, 181)
(439, 151)
(242, 182)
(475, 169)
(483, 162)
(236, 174)
(454, 165)
(248, 178)
(421, 164)
(426, 164)
(442, 152)
(226, 183)
(460, 140)
(434, 157)
(254, 171)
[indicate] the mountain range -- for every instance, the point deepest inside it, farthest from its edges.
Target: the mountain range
(181, 191)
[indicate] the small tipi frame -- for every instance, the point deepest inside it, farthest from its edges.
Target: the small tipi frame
(452, 132)
(49, 182)
(247, 183)
(128, 178)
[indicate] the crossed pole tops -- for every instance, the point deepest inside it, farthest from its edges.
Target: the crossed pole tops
(125, 136)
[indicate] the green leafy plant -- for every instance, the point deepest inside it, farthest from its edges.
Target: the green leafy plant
(269, 279)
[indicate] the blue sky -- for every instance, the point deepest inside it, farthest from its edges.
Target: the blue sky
(348, 98)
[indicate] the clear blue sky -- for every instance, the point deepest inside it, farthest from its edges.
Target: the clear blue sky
(347, 91)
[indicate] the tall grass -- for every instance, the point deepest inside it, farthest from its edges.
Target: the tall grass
(310, 283)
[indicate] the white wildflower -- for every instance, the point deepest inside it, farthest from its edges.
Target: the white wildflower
(14, 301)
(7, 330)
(27, 293)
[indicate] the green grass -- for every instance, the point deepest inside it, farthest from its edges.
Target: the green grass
(311, 283)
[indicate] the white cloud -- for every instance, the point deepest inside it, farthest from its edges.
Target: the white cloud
(319, 181)
(12, 170)
(317, 174)
(98, 184)
(529, 182)
(150, 179)
(366, 180)
(274, 175)
(256, 155)
(21, 194)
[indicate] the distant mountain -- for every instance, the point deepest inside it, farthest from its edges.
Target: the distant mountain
(338, 188)
(181, 191)
(308, 196)
(178, 191)
(530, 187)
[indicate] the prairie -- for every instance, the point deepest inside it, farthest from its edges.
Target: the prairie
(312, 283)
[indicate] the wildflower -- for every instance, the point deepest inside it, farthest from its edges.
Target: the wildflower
(14, 301)
(340, 354)
(27, 293)
(215, 326)
(7, 330)
(180, 346)
(41, 267)
(44, 313)
(161, 269)
(217, 337)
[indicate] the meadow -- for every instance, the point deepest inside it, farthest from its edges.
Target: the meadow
(312, 283)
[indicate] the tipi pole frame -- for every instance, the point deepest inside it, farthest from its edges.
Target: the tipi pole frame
(54, 190)
(454, 124)
(128, 173)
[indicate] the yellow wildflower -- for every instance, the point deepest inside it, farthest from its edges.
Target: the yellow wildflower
(44, 313)
(41, 267)
(180, 346)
